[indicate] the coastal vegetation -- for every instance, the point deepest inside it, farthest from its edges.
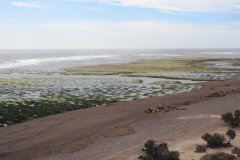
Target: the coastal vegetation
(153, 151)
(200, 148)
(17, 111)
(219, 156)
(23, 99)
(196, 69)
(218, 140)
(233, 119)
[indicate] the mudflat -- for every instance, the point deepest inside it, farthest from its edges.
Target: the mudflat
(118, 131)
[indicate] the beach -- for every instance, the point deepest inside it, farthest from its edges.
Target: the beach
(118, 131)
(79, 104)
(119, 80)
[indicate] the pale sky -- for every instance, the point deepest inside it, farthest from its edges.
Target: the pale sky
(91, 24)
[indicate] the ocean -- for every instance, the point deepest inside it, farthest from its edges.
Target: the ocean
(60, 59)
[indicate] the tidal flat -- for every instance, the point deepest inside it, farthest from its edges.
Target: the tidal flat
(24, 98)
(196, 69)
(35, 94)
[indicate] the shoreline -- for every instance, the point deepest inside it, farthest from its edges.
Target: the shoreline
(80, 133)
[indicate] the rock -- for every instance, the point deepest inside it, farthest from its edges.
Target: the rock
(152, 110)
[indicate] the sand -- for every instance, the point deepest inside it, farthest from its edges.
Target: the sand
(118, 131)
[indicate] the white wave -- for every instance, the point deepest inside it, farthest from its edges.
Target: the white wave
(220, 53)
(171, 55)
(31, 62)
(147, 54)
(165, 55)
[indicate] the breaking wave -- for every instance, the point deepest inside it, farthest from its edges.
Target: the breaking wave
(37, 61)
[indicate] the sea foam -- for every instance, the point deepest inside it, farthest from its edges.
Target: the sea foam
(38, 61)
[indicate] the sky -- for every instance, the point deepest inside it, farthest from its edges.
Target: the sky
(130, 24)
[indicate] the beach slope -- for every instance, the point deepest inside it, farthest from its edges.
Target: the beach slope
(118, 131)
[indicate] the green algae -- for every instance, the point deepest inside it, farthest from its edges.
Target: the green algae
(29, 98)
(157, 68)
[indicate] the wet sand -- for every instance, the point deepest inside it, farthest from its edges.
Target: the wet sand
(118, 131)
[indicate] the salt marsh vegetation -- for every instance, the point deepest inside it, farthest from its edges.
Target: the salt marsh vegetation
(196, 69)
(23, 99)
(33, 94)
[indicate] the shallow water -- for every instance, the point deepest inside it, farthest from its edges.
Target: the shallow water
(37, 96)
(123, 88)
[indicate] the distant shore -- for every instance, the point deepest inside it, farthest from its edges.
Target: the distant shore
(118, 132)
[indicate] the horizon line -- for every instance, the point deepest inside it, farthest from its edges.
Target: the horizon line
(116, 48)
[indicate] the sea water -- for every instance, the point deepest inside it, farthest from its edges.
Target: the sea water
(59, 59)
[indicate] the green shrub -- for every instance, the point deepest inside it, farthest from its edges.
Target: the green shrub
(218, 140)
(232, 119)
(200, 149)
(215, 140)
(152, 151)
(219, 156)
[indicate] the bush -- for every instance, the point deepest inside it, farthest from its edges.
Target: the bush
(152, 151)
(206, 136)
(200, 149)
(236, 151)
(232, 119)
(218, 140)
(219, 156)
(231, 134)
(215, 140)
